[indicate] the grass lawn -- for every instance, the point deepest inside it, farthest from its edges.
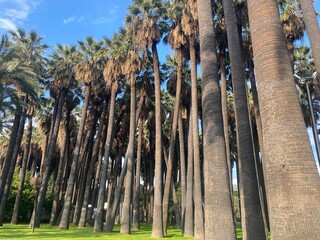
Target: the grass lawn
(47, 232)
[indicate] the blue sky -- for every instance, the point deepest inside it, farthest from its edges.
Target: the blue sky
(64, 21)
(67, 21)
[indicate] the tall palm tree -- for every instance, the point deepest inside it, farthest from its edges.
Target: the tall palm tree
(61, 69)
(131, 67)
(190, 19)
(312, 26)
(70, 103)
(88, 71)
(252, 220)
(288, 170)
(217, 209)
(177, 40)
(145, 16)
(29, 47)
(112, 75)
(27, 149)
(20, 72)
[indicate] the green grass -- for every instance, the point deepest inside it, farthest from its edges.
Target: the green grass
(46, 232)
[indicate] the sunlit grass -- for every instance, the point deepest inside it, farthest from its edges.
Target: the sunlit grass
(47, 232)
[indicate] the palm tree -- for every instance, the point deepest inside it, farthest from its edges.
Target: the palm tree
(288, 170)
(61, 69)
(70, 103)
(177, 40)
(252, 220)
(27, 149)
(28, 47)
(19, 72)
(292, 24)
(87, 71)
(131, 67)
(218, 208)
(145, 16)
(112, 75)
(312, 26)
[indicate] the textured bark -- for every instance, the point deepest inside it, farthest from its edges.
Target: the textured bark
(8, 157)
(198, 209)
(12, 166)
(95, 191)
(111, 215)
(218, 209)
(98, 222)
(312, 26)
(173, 135)
(116, 200)
(224, 107)
(43, 156)
(136, 212)
(176, 206)
(251, 219)
(125, 220)
(26, 151)
(291, 175)
(87, 154)
(83, 216)
(183, 172)
(64, 223)
(157, 223)
(50, 155)
(189, 216)
(56, 193)
(259, 145)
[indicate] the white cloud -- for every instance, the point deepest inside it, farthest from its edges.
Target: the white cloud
(102, 20)
(73, 19)
(15, 12)
(6, 24)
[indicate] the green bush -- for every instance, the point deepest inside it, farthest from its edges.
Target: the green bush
(27, 199)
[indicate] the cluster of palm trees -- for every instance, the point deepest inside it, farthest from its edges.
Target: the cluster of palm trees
(114, 136)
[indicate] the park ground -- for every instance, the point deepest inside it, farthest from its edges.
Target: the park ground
(24, 232)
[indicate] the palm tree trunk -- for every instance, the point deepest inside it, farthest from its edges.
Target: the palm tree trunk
(259, 143)
(224, 106)
(198, 213)
(27, 148)
(96, 182)
(177, 212)
(173, 135)
(289, 161)
(157, 223)
(312, 26)
(8, 157)
(252, 219)
(189, 216)
(12, 166)
(83, 216)
(56, 193)
(64, 223)
(98, 223)
(43, 156)
(182, 171)
(125, 221)
(136, 212)
(51, 150)
(87, 154)
(218, 209)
